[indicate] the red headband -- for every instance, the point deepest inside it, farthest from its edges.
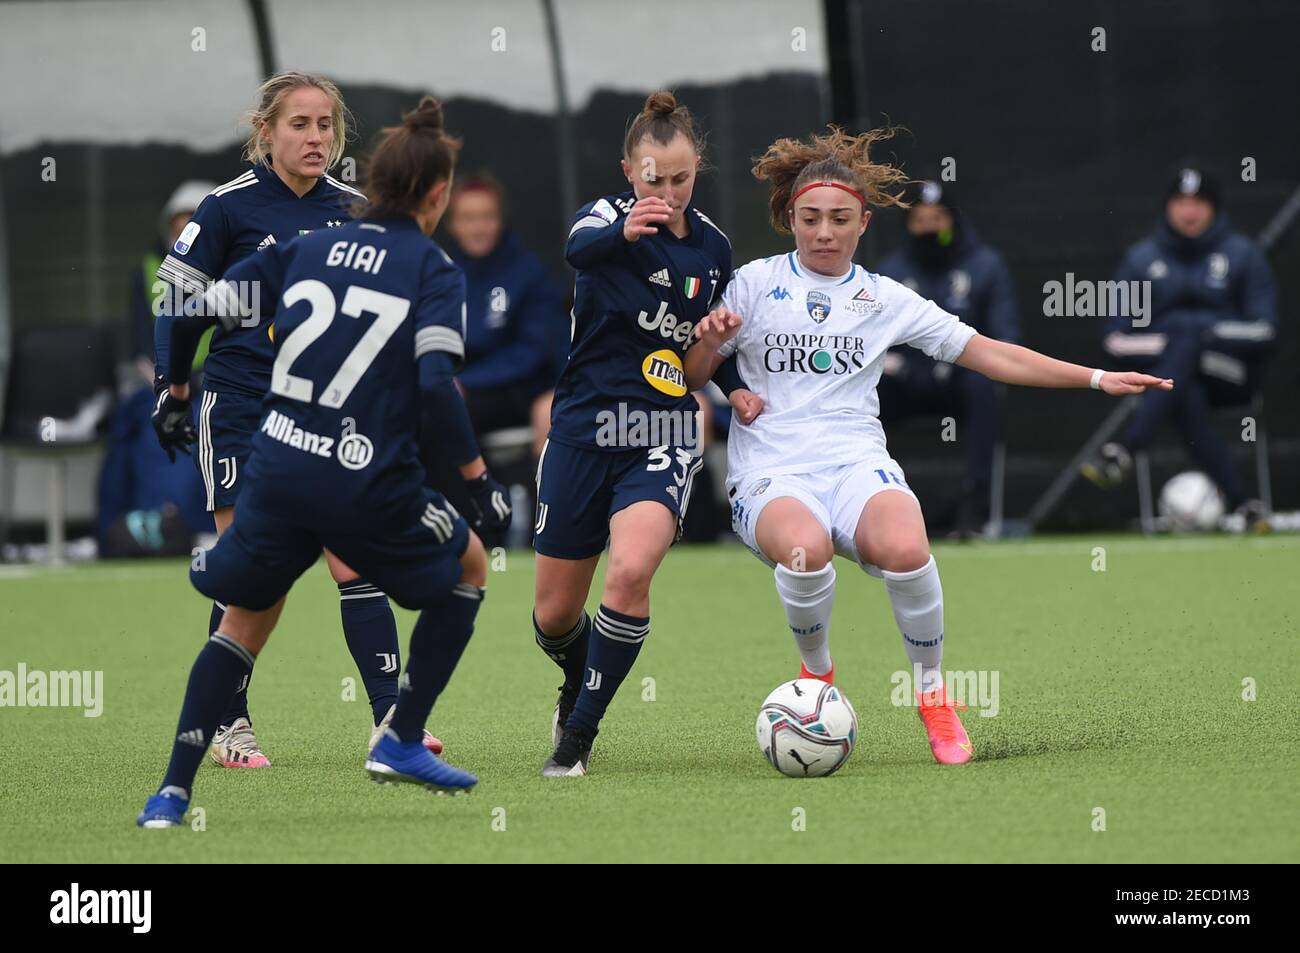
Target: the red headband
(834, 185)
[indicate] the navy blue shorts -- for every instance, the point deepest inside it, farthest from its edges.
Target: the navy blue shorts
(579, 489)
(412, 553)
(227, 423)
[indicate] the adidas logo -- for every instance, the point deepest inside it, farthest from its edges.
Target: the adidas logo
(672, 491)
(192, 737)
(660, 277)
(266, 242)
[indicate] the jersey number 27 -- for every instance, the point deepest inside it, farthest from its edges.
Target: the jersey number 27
(389, 310)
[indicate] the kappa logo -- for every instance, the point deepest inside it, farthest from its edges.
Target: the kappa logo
(661, 277)
(778, 294)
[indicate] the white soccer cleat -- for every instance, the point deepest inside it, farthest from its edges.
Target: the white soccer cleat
(430, 742)
(235, 746)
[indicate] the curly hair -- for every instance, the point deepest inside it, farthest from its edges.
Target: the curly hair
(789, 164)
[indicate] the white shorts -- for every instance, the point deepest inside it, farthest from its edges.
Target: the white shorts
(835, 495)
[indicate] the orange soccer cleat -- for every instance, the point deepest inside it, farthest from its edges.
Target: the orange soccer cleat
(828, 678)
(948, 739)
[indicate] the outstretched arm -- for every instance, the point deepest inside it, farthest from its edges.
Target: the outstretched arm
(703, 362)
(1013, 364)
(711, 332)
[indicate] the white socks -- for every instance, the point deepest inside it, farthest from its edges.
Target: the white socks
(807, 597)
(917, 600)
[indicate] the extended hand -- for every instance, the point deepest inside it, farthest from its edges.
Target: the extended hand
(718, 327)
(1120, 383)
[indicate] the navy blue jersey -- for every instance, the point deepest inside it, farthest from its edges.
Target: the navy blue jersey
(516, 319)
(634, 310)
(355, 308)
(246, 215)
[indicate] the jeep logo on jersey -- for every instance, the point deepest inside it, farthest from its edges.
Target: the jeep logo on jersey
(813, 353)
(663, 370)
(819, 305)
(666, 324)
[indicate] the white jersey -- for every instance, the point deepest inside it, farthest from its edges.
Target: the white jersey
(813, 348)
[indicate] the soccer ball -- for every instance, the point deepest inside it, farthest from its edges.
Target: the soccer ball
(806, 728)
(1191, 501)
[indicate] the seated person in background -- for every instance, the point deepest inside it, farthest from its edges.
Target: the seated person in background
(1213, 322)
(146, 503)
(516, 340)
(518, 331)
(175, 216)
(945, 262)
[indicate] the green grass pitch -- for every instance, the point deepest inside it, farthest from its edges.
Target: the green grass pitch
(1119, 689)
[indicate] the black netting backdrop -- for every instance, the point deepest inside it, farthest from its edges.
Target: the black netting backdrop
(1061, 155)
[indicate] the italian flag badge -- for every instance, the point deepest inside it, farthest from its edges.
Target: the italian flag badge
(692, 287)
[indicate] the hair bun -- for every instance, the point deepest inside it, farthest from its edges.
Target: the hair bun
(662, 103)
(426, 117)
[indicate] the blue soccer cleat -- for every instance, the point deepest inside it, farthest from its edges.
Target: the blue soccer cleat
(395, 762)
(163, 810)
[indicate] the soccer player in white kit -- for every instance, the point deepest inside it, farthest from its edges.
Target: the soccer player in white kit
(811, 475)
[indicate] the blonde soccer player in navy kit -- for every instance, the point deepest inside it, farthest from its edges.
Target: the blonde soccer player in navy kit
(299, 129)
(811, 477)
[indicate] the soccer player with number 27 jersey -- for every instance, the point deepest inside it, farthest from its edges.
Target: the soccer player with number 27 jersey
(370, 323)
